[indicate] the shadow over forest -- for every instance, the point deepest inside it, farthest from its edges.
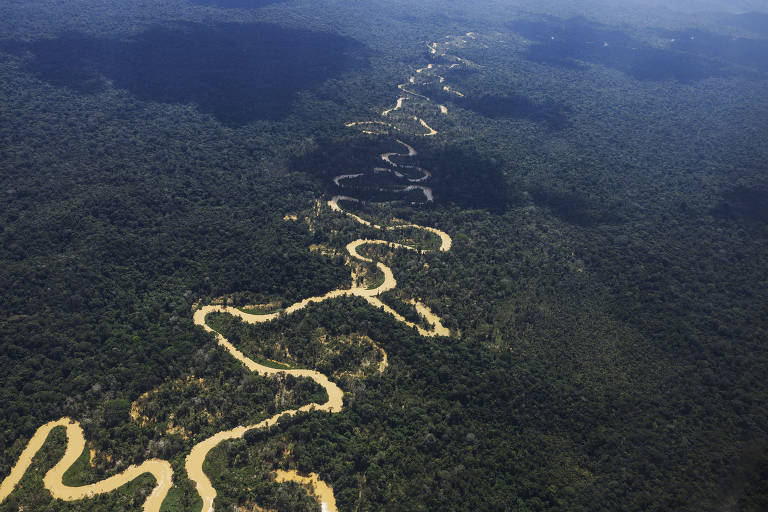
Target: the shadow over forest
(756, 22)
(497, 106)
(516, 106)
(459, 177)
(737, 50)
(743, 203)
(467, 179)
(691, 56)
(237, 72)
(574, 208)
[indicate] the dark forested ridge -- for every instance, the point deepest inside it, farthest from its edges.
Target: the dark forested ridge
(604, 182)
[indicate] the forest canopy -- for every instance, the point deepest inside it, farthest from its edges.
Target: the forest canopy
(600, 173)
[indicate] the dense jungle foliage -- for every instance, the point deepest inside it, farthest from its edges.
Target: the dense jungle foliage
(604, 179)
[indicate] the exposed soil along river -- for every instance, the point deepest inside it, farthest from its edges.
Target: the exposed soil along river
(196, 458)
(53, 479)
(161, 470)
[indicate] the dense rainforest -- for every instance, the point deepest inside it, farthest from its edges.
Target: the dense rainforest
(603, 176)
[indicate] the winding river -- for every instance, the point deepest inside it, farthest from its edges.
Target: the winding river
(398, 120)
